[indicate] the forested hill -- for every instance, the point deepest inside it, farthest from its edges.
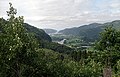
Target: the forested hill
(91, 31)
(39, 33)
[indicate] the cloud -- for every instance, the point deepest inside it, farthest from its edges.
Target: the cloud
(59, 14)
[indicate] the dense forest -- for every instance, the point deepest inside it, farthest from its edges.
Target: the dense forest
(26, 51)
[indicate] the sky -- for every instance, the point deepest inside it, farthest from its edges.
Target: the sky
(60, 14)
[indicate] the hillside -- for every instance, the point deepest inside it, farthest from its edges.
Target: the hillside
(90, 32)
(39, 33)
(45, 40)
(50, 31)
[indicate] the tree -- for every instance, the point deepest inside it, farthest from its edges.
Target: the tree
(108, 41)
(17, 47)
(109, 47)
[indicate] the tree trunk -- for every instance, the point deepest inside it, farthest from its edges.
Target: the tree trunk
(107, 72)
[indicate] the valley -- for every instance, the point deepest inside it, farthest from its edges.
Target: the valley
(91, 50)
(82, 37)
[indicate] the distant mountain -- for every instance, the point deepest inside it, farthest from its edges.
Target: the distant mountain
(50, 31)
(90, 32)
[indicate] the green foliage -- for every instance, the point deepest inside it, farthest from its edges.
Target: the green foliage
(90, 32)
(75, 42)
(56, 47)
(39, 33)
(109, 38)
(109, 43)
(17, 47)
(22, 56)
(118, 67)
(51, 64)
(108, 46)
(55, 66)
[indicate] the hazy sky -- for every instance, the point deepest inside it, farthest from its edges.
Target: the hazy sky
(60, 14)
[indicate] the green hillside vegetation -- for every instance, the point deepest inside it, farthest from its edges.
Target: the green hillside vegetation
(39, 33)
(44, 39)
(23, 55)
(56, 47)
(90, 32)
(74, 42)
(70, 40)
